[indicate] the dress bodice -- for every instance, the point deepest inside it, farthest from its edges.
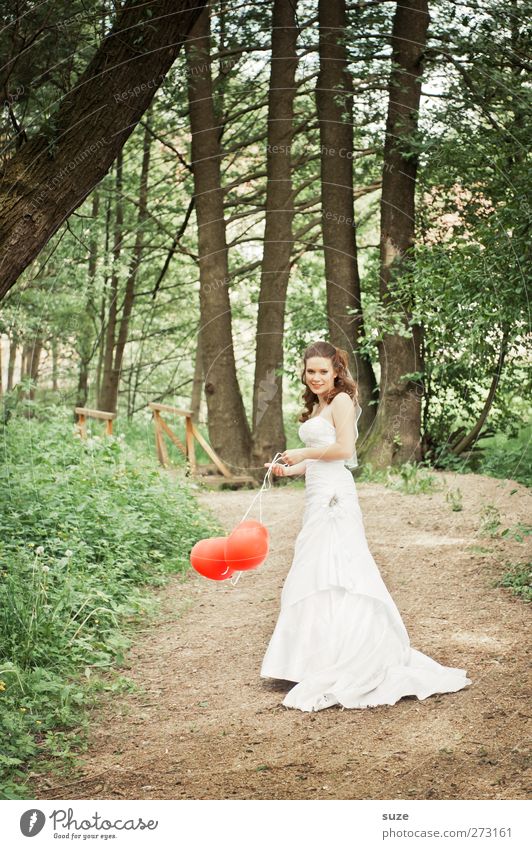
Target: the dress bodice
(318, 431)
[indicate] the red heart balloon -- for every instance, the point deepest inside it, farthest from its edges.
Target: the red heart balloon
(207, 558)
(247, 546)
(253, 523)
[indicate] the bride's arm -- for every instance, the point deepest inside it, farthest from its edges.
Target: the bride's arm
(297, 469)
(286, 471)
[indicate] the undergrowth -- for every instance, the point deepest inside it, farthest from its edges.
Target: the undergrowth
(86, 527)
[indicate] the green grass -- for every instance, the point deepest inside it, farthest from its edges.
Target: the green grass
(410, 478)
(511, 458)
(86, 528)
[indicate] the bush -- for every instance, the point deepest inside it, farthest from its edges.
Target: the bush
(85, 527)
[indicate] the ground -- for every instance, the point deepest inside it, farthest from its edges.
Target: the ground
(206, 726)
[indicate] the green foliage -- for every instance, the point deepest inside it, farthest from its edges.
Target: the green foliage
(509, 457)
(410, 478)
(518, 579)
(490, 521)
(490, 525)
(455, 499)
(518, 532)
(85, 528)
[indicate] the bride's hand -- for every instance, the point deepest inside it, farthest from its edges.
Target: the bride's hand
(278, 469)
(293, 456)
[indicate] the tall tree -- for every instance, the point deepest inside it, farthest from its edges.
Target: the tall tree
(12, 359)
(268, 430)
(396, 435)
(197, 381)
(55, 171)
(228, 427)
(109, 377)
(119, 318)
(334, 100)
(86, 331)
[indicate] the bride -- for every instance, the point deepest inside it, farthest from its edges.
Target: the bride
(339, 635)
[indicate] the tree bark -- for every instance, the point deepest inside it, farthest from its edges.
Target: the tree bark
(268, 426)
(114, 359)
(55, 171)
(228, 427)
(108, 390)
(25, 360)
(11, 362)
(396, 435)
(86, 340)
(34, 363)
(197, 382)
(55, 364)
(103, 305)
(334, 100)
(31, 357)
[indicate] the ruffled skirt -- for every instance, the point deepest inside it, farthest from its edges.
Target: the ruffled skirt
(339, 635)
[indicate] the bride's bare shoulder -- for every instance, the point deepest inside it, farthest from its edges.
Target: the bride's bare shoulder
(342, 408)
(342, 400)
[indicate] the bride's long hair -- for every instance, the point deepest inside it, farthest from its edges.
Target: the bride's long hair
(343, 382)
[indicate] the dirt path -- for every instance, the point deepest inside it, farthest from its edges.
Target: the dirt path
(207, 727)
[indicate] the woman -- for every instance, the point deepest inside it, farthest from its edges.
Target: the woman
(339, 634)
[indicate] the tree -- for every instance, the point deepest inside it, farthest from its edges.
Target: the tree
(119, 316)
(54, 172)
(396, 435)
(228, 427)
(268, 429)
(334, 99)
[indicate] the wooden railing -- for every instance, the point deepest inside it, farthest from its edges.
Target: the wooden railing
(83, 413)
(188, 449)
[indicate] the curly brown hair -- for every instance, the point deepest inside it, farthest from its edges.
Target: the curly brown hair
(343, 382)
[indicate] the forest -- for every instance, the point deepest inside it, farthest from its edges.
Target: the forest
(191, 193)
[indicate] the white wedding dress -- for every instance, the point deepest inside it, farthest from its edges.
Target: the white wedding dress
(339, 635)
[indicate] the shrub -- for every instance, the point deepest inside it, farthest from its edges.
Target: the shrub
(85, 528)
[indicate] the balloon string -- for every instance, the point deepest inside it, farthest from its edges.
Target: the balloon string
(266, 485)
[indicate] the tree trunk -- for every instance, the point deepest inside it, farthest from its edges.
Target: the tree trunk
(54, 172)
(469, 439)
(395, 437)
(31, 356)
(197, 382)
(268, 427)
(34, 363)
(334, 99)
(228, 427)
(109, 391)
(11, 362)
(103, 306)
(86, 338)
(55, 365)
(25, 360)
(136, 260)
(114, 353)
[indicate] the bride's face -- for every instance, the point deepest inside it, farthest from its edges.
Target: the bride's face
(319, 375)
